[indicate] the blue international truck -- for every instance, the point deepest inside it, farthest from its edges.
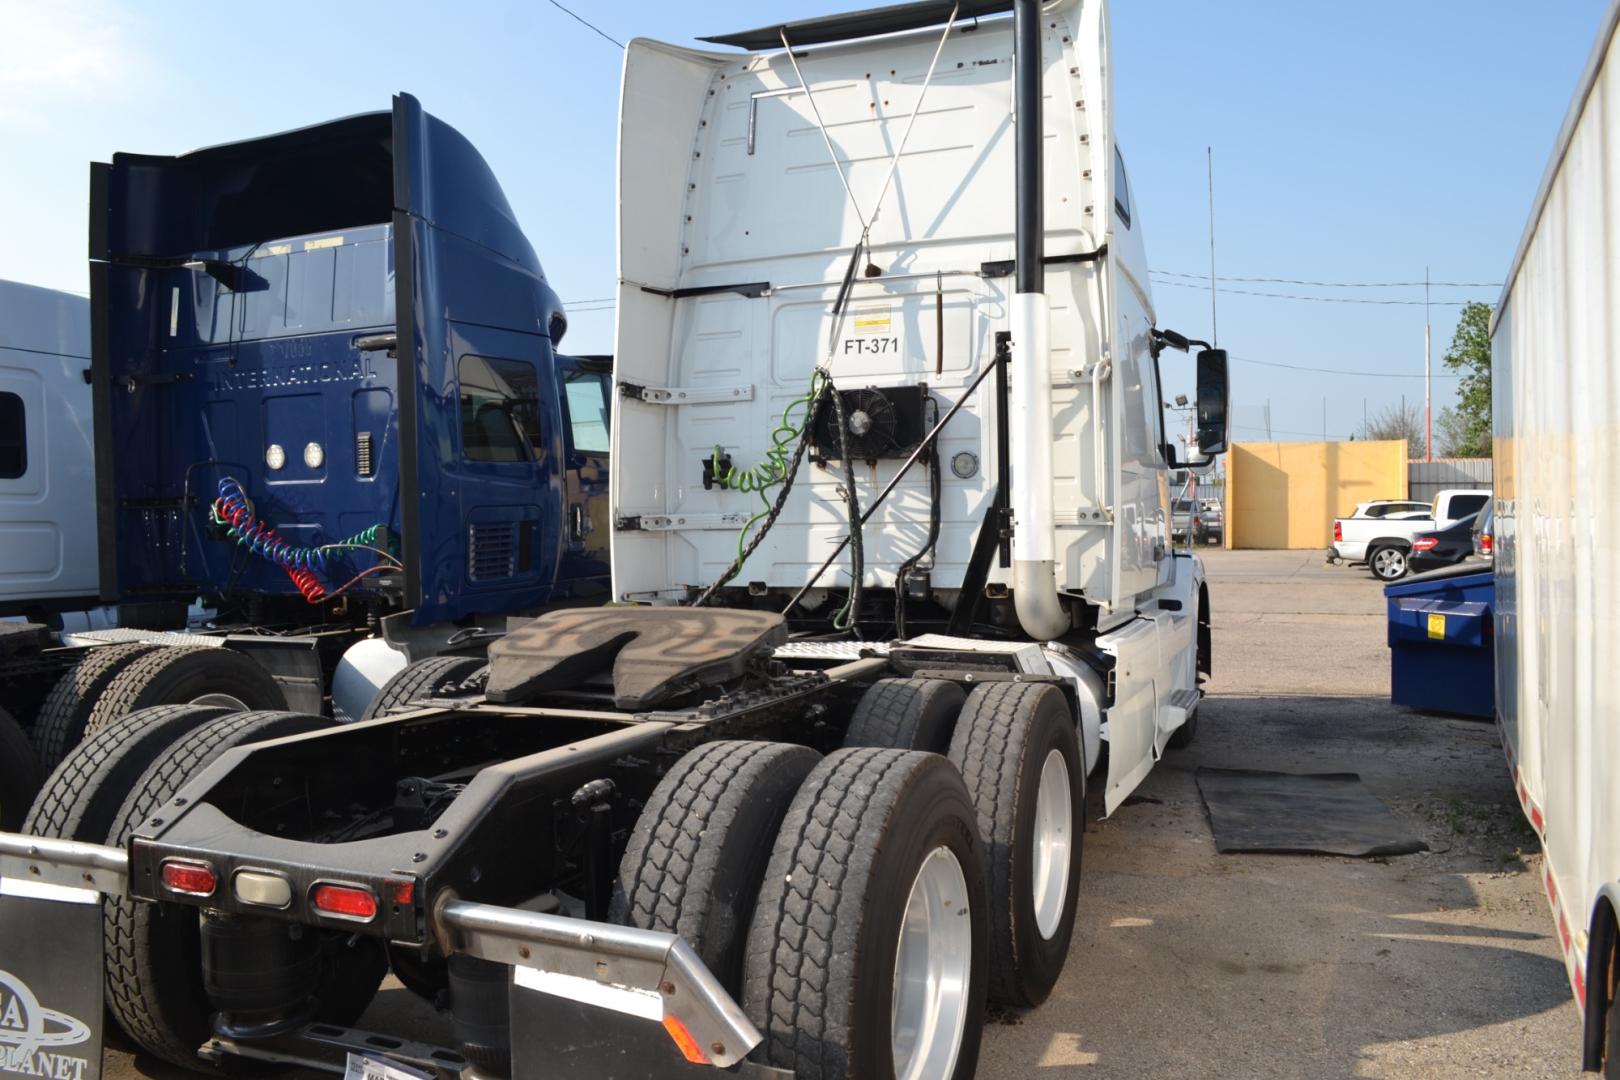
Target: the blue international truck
(289, 504)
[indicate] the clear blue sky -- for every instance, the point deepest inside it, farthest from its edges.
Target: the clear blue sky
(1353, 142)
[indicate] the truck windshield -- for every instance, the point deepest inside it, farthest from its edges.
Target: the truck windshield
(588, 411)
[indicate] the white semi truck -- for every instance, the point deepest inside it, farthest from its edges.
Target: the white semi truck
(47, 453)
(1554, 338)
(891, 543)
(47, 496)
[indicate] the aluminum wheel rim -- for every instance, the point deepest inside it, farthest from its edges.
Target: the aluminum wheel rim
(1390, 562)
(1053, 844)
(222, 701)
(932, 968)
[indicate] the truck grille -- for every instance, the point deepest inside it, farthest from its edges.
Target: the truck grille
(362, 453)
(491, 551)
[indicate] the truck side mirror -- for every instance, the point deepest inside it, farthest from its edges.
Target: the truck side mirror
(1214, 399)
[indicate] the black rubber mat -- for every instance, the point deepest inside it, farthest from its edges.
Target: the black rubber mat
(1301, 813)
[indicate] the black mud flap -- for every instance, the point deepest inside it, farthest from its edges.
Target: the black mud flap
(604, 1044)
(50, 981)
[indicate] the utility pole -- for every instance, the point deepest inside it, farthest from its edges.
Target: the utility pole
(1428, 377)
(1209, 156)
(1268, 420)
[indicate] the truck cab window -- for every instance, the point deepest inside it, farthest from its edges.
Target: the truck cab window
(500, 409)
(1122, 190)
(588, 410)
(13, 438)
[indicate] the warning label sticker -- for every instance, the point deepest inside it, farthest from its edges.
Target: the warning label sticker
(871, 329)
(869, 321)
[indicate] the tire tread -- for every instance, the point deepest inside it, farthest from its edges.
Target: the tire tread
(133, 1001)
(807, 923)
(679, 850)
(65, 714)
(892, 711)
(131, 688)
(19, 773)
(989, 748)
(418, 680)
(81, 797)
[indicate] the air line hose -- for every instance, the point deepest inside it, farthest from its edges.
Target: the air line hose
(774, 469)
(233, 512)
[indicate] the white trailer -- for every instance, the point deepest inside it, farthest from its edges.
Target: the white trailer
(47, 452)
(1554, 338)
(834, 205)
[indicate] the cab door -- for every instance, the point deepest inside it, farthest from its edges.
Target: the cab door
(509, 466)
(584, 383)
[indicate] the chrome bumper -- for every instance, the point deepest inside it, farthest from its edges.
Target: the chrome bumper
(642, 973)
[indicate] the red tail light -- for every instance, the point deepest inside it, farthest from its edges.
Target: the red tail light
(1485, 543)
(1425, 543)
(345, 901)
(1338, 531)
(190, 878)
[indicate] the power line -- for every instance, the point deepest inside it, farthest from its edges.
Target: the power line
(581, 19)
(1342, 284)
(1318, 299)
(593, 300)
(1340, 371)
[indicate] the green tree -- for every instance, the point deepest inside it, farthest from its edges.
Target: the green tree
(1465, 430)
(1453, 436)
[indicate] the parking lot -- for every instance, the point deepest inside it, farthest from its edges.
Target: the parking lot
(1188, 963)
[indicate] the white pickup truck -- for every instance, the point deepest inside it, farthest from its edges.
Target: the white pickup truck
(1380, 533)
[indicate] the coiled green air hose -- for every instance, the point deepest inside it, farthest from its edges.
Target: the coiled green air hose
(774, 469)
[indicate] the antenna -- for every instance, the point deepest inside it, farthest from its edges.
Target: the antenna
(1209, 157)
(1428, 376)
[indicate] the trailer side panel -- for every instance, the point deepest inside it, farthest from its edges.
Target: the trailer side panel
(1557, 467)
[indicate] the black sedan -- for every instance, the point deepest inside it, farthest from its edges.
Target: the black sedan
(1443, 547)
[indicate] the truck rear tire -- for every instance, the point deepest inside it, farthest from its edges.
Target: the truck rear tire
(194, 674)
(906, 714)
(436, 676)
(695, 861)
(1387, 563)
(862, 961)
(80, 800)
(154, 962)
(62, 719)
(1019, 754)
(19, 773)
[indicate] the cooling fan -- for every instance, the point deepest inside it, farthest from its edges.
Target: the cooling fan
(870, 424)
(878, 423)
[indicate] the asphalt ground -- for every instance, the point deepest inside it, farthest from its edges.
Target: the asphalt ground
(1188, 963)
(1191, 964)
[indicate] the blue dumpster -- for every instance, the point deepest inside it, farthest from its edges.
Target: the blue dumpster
(1440, 641)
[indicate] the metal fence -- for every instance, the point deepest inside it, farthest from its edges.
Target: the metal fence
(1205, 489)
(1426, 479)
